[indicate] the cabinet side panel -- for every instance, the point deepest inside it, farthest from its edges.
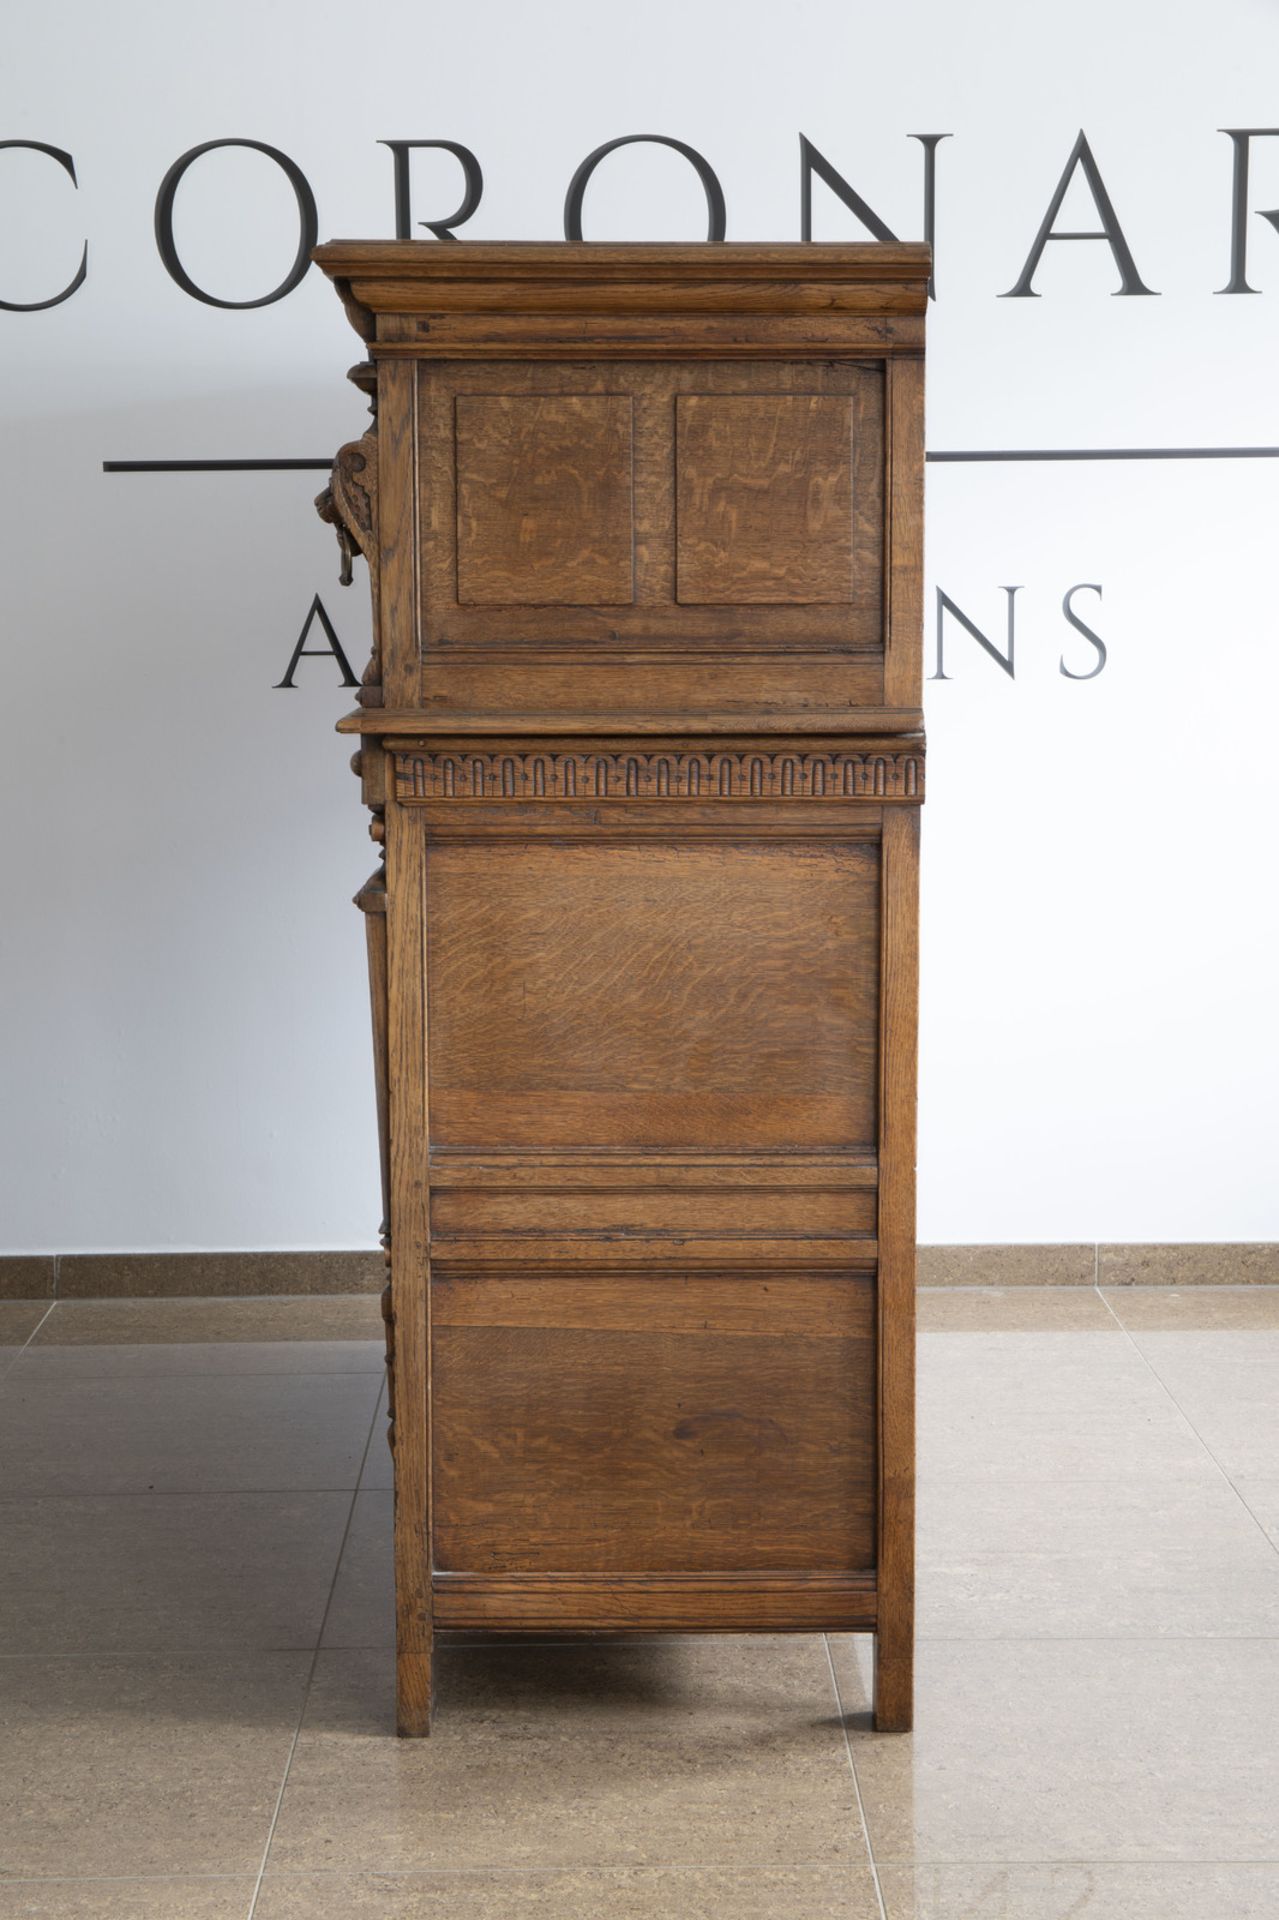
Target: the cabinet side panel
(407, 1055)
(904, 534)
(899, 1002)
(397, 532)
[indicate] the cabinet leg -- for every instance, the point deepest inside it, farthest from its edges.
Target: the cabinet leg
(414, 1697)
(894, 1681)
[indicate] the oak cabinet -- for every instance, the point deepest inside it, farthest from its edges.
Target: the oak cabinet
(642, 740)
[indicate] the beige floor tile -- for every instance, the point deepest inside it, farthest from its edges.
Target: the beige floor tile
(1118, 1557)
(379, 1469)
(124, 1573)
(1127, 1596)
(1025, 1368)
(1142, 1513)
(82, 1339)
(1158, 1750)
(1089, 1554)
(963, 1440)
(168, 1899)
(338, 1318)
(707, 1752)
(1099, 1891)
(163, 1764)
(100, 1361)
(1195, 1309)
(1024, 1404)
(652, 1893)
(232, 1433)
(19, 1320)
(1260, 1494)
(1215, 1365)
(1227, 1385)
(1013, 1310)
(362, 1610)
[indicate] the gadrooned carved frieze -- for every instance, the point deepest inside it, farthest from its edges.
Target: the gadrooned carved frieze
(873, 773)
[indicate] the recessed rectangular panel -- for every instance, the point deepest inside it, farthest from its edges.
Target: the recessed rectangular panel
(620, 1423)
(764, 499)
(704, 995)
(545, 515)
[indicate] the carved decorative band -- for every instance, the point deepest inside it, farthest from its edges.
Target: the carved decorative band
(712, 774)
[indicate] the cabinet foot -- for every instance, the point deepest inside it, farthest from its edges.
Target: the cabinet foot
(414, 1699)
(894, 1684)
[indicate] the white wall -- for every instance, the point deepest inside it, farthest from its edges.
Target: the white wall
(185, 1032)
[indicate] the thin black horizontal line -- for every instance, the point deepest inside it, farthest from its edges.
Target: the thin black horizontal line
(216, 466)
(968, 455)
(1107, 453)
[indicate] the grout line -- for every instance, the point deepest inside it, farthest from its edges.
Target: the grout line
(35, 1330)
(315, 1659)
(1096, 1264)
(7, 1369)
(857, 1791)
(1183, 1415)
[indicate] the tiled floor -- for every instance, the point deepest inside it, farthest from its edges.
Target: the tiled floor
(196, 1680)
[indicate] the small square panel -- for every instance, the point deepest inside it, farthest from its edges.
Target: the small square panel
(544, 508)
(764, 492)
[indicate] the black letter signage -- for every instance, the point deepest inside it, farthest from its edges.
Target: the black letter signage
(1093, 639)
(705, 172)
(1238, 282)
(38, 306)
(946, 605)
(333, 651)
(308, 222)
(471, 175)
(812, 162)
(1110, 230)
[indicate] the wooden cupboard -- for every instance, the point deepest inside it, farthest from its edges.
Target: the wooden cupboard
(642, 741)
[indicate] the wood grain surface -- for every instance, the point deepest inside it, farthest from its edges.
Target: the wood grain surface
(688, 1442)
(658, 996)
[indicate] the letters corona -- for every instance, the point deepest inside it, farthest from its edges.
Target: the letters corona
(1081, 169)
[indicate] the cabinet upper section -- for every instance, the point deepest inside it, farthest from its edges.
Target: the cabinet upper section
(555, 300)
(612, 486)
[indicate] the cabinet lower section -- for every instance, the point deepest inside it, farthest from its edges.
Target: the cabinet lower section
(649, 1072)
